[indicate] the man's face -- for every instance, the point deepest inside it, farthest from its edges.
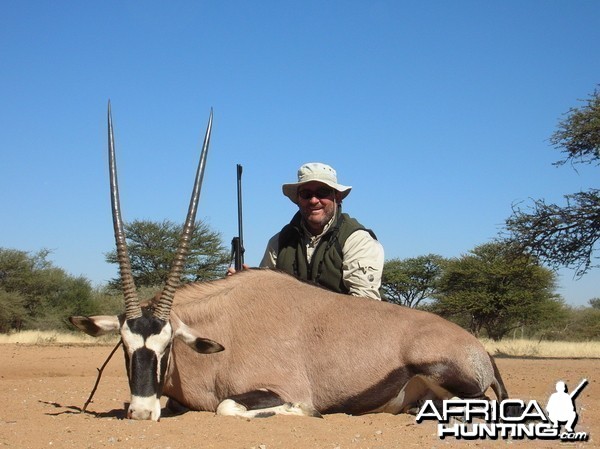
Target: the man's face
(317, 203)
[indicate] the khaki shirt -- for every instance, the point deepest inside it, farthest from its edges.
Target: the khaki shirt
(362, 264)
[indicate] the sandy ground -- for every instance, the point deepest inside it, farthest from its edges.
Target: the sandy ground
(44, 388)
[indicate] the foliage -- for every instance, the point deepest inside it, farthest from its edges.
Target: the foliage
(573, 324)
(495, 287)
(410, 281)
(553, 321)
(584, 324)
(566, 235)
(578, 136)
(152, 247)
(560, 235)
(12, 310)
(36, 294)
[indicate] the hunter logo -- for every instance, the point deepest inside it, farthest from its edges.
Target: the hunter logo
(511, 418)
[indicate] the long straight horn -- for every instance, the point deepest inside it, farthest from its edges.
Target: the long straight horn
(163, 309)
(132, 304)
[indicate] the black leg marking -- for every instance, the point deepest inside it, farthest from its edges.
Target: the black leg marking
(261, 404)
(265, 415)
(175, 408)
(257, 399)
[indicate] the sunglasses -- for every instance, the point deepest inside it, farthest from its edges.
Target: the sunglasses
(320, 194)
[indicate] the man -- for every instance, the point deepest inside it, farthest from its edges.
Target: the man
(322, 244)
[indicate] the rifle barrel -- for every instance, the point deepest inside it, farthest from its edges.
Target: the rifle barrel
(240, 255)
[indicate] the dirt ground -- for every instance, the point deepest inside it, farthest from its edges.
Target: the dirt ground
(45, 387)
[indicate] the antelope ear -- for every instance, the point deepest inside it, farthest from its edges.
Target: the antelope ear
(191, 338)
(96, 325)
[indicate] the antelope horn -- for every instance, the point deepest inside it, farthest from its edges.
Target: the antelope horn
(163, 308)
(132, 304)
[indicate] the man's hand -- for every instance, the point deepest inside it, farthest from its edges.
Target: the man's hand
(231, 270)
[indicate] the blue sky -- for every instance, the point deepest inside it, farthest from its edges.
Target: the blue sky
(437, 113)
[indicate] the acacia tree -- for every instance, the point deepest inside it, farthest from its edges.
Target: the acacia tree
(495, 287)
(152, 247)
(410, 281)
(566, 235)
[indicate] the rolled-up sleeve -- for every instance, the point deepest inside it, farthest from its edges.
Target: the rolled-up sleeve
(363, 264)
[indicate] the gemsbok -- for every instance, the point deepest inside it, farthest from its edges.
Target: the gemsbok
(262, 342)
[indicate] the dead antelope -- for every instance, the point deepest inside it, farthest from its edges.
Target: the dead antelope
(271, 344)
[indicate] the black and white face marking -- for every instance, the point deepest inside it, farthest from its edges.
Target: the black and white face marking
(147, 343)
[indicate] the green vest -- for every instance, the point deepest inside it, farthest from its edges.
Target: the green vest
(325, 267)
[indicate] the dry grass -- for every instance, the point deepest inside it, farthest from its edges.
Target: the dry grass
(534, 348)
(53, 337)
(508, 347)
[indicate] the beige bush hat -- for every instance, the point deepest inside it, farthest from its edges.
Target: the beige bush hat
(315, 171)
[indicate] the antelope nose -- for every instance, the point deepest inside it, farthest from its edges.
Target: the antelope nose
(144, 408)
(139, 414)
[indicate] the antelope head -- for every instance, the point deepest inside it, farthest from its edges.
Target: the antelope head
(147, 335)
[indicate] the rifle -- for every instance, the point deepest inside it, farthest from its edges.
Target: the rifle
(237, 243)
